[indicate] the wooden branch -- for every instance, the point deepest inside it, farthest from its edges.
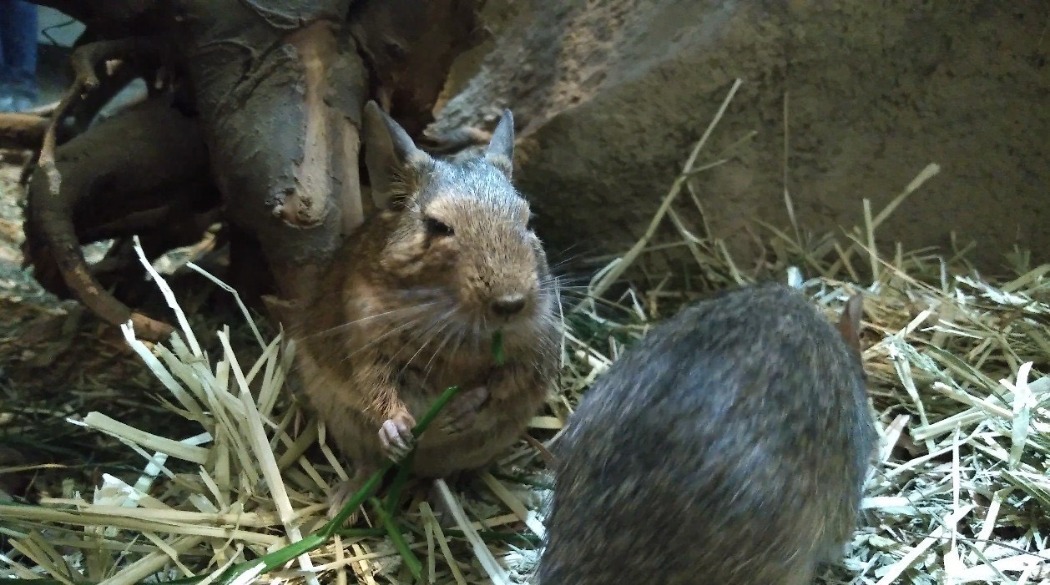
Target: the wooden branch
(24, 131)
(168, 151)
(86, 59)
(135, 53)
(410, 46)
(114, 18)
(261, 72)
(454, 141)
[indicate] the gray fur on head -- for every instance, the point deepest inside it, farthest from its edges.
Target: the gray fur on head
(391, 154)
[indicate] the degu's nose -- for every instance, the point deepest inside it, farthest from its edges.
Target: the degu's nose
(507, 305)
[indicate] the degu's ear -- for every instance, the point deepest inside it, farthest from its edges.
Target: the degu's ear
(849, 321)
(500, 151)
(389, 151)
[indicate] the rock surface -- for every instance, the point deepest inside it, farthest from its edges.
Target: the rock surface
(610, 96)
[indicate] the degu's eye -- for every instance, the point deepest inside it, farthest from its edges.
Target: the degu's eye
(436, 228)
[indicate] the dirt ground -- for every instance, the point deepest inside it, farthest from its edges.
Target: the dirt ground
(53, 363)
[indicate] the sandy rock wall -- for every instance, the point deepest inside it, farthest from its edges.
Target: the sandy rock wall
(611, 95)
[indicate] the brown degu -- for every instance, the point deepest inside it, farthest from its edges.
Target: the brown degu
(410, 306)
(729, 446)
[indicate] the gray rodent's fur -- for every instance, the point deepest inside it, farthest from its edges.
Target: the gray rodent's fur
(730, 446)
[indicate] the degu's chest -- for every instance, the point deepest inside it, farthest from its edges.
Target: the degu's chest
(430, 364)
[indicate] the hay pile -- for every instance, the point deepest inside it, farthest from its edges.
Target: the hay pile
(957, 374)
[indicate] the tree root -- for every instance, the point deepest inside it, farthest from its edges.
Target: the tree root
(77, 115)
(279, 94)
(410, 46)
(88, 58)
(455, 140)
(23, 131)
(278, 88)
(46, 110)
(136, 53)
(165, 194)
(115, 18)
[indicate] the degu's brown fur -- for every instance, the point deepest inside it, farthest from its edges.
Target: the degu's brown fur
(410, 305)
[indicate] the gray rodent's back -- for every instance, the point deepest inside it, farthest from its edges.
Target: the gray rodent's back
(727, 447)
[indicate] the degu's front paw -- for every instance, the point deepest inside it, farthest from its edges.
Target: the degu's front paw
(395, 435)
(462, 411)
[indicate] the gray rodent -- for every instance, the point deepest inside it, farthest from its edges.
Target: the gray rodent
(410, 306)
(729, 446)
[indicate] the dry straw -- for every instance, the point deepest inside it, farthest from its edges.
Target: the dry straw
(957, 374)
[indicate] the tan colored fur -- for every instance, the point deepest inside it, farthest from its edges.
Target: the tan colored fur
(402, 315)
